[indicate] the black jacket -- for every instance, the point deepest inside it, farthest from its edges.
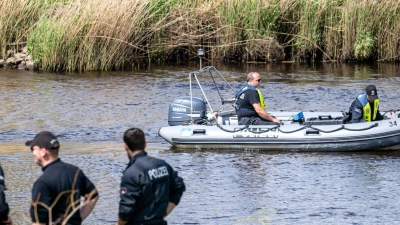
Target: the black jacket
(147, 185)
(3, 204)
(356, 112)
(57, 182)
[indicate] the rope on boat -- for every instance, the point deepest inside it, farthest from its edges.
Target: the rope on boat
(330, 131)
(326, 131)
(232, 131)
(288, 132)
(263, 131)
(372, 126)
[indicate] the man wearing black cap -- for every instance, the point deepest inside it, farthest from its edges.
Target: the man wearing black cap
(365, 108)
(60, 187)
(150, 189)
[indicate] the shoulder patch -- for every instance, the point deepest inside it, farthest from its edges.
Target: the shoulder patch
(123, 190)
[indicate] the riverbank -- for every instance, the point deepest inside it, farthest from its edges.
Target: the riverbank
(19, 60)
(75, 35)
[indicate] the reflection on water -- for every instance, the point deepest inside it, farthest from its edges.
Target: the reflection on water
(90, 112)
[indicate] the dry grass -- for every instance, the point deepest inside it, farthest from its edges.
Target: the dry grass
(107, 35)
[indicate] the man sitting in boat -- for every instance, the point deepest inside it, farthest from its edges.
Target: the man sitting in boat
(250, 106)
(365, 108)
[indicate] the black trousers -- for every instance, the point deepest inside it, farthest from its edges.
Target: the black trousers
(254, 120)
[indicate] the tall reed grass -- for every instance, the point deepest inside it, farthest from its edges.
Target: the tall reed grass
(88, 35)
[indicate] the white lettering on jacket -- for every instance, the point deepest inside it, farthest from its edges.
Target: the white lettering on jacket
(157, 173)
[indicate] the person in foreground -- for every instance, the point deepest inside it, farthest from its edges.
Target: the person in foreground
(4, 210)
(250, 106)
(150, 189)
(365, 108)
(60, 187)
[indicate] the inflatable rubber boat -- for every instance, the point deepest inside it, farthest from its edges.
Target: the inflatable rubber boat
(315, 131)
(194, 124)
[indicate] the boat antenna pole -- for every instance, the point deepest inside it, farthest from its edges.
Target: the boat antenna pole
(200, 53)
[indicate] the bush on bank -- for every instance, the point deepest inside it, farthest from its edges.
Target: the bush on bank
(83, 35)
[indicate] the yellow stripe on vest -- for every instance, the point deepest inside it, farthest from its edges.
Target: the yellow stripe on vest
(262, 103)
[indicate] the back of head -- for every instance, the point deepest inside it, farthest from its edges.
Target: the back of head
(134, 139)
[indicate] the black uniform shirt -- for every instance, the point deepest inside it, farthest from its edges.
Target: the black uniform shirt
(3, 204)
(147, 185)
(246, 101)
(59, 178)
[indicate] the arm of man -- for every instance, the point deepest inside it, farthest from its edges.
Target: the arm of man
(263, 114)
(170, 207)
(121, 222)
(7, 222)
(88, 207)
(90, 194)
(356, 112)
(379, 116)
(5, 219)
(4, 209)
(129, 191)
(177, 187)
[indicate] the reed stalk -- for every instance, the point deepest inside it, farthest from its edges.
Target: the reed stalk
(17, 19)
(83, 35)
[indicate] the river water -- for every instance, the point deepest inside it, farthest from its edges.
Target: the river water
(90, 112)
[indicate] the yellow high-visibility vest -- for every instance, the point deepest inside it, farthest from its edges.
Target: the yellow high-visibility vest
(367, 114)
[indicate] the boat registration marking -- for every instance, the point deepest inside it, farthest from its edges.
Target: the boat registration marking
(186, 132)
(256, 133)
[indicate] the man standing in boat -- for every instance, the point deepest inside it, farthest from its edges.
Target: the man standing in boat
(365, 108)
(250, 105)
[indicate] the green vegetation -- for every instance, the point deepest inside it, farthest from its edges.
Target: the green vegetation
(83, 35)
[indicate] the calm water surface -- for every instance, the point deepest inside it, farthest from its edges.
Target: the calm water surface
(91, 111)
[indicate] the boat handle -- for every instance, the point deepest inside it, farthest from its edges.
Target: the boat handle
(199, 131)
(325, 117)
(312, 132)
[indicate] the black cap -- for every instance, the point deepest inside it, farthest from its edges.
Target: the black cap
(371, 92)
(44, 139)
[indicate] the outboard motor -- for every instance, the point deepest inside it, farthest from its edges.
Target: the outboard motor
(179, 110)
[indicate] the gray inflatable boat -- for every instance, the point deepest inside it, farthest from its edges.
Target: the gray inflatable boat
(316, 131)
(194, 124)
